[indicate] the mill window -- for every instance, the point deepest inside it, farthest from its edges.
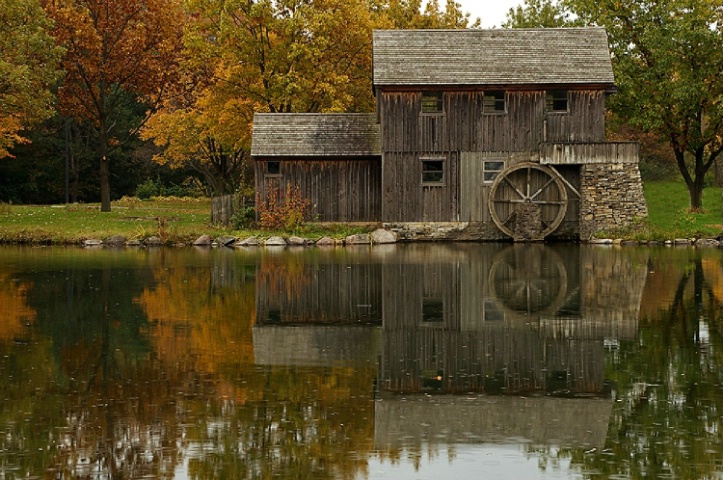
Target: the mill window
(432, 172)
(432, 310)
(556, 101)
(494, 102)
(432, 102)
(492, 168)
(273, 168)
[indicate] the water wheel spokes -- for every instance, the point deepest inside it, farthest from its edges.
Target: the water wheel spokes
(528, 201)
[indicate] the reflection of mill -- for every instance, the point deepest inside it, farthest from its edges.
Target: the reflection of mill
(492, 319)
(529, 280)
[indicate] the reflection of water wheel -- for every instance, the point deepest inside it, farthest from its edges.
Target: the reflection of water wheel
(528, 280)
(532, 190)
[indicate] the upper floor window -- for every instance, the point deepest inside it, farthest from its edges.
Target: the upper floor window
(556, 101)
(494, 102)
(273, 167)
(432, 102)
(432, 171)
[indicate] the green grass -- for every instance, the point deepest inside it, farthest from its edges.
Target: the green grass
(177, 220)
(174, 220)
(669, 214)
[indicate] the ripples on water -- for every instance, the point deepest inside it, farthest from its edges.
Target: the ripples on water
(417, 361)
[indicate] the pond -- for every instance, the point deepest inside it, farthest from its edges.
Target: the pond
(405, 361)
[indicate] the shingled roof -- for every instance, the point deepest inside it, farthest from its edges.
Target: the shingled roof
(310, 134)
(554, 56)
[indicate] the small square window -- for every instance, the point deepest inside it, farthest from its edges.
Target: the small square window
(556, 101)
(494, 102)
(273, 168)
(432, 102)
(432, 172)
(492, 168)
(432, 310)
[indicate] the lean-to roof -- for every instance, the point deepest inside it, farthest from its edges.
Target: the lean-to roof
(311, 134)
(499, 57)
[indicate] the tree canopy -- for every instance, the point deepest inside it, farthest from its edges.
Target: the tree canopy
(668, 65)
(28, 70)
(243, 57)
(118, 53)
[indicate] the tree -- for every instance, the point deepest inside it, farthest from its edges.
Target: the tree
(668, 66)
(120, 53)
(538, 14)
(28, 70)
(243, 57)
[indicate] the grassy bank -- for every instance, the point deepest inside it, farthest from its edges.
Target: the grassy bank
(669, 216)
(177, 220)
(174, 220)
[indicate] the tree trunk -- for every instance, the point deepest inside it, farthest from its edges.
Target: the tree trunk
(694, 184)
(695, 189)
(104, 169)
(104, 185)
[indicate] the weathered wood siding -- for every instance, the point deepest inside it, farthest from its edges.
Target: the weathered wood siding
(589, 153)
(409, 136)
(465, 127)
(339, 190)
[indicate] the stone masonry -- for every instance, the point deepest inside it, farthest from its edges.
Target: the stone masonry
(611, 197)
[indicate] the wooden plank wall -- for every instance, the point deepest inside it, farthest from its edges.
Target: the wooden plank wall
(339, 190)
(408, 136)
(589, 153)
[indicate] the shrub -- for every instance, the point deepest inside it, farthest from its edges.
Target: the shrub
(287, 211)
(149, 188)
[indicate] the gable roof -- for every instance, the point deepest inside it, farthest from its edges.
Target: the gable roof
(316, 134)
(549, 56)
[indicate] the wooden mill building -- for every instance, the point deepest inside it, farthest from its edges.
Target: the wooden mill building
(490, 133)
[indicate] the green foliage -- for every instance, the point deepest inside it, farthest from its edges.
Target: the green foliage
(539, 14)
(149, 188)
(244, 216)
(28, 70)
(667, 61)
(157, 188)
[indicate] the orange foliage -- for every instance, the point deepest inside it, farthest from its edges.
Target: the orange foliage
(188, 313)
(14, 311)
(119, 53)
(122, 44)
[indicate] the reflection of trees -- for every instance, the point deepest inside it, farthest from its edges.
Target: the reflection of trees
(14, 310)
(144, 368)
(670, 400)
(304, 425)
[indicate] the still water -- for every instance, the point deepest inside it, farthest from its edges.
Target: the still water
(411, 361)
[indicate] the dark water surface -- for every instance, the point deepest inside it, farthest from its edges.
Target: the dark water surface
(420, 361)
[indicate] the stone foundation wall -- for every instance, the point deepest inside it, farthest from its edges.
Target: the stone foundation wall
(445, 231)
(611, 197)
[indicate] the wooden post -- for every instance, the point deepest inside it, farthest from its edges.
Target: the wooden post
(222, 210)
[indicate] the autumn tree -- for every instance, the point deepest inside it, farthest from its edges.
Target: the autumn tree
(243, 57)
(119, 54)
(28, 69)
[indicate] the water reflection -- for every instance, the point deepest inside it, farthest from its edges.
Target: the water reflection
(512, 361)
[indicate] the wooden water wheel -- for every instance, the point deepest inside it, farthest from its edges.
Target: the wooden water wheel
(528, 201)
